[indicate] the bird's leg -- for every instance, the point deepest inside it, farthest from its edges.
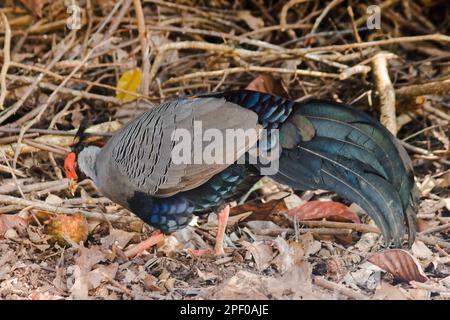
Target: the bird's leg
(223, 219)
(144, 245)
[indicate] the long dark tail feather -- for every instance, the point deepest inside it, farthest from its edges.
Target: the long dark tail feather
(353, 155)
(332, 146)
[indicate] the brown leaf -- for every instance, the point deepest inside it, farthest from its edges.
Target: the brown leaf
(88, 257)
(101, 274)
(270, 211)
(11, 221)
(150, 283)
(400, 264)
(35, 6)
(310, 245)
(267, 84)
(122, 237)
(421, 251)
(242, 286)
(206, 276)
(262, 254)
(419, 294)
(291, 253)
(317, 210)
(83, 278)
(294, 284)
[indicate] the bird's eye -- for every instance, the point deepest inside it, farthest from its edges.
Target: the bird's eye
(69, 166)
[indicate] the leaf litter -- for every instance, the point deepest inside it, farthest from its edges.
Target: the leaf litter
(269, 253)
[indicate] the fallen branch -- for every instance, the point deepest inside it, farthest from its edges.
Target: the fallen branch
(321, 282)
(430, 88)
(385, 91)
(37, 204)
(359, 227)
(299, 72)
(6, 60)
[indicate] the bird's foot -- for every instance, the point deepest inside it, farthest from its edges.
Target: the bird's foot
(223, 220)
(218, 248)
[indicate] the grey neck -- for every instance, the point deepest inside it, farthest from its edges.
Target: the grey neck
(86, 162)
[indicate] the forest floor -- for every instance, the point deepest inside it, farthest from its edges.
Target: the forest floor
(108, 61)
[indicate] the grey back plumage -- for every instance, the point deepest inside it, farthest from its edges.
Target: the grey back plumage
(139, 157)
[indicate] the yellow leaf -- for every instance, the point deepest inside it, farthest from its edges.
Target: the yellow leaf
(129, 81)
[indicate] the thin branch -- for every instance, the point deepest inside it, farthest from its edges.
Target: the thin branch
(299, 72)
(6, 60)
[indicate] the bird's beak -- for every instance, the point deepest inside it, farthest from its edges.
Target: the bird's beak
(72, 186)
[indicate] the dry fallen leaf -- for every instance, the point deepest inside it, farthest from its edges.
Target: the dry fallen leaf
(242, 286)
(336, 269)
(122, 237)
(291, 253)
(419, 294)
(273, 210)
(420, 250)
(130, 81)
(83, 281)
(367, 275)
(206, 276)
(310, 245)
(101, 274)
(266, 83)
(262, 254)
(316, 210)
(171, 246)
(294, 284)
(400, 264)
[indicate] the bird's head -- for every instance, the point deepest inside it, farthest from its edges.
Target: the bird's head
(80, 163)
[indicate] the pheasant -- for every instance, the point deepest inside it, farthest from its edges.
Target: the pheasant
(321, 145)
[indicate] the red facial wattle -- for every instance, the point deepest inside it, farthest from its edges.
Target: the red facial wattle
(69, 166)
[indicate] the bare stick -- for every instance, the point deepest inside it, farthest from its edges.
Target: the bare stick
(283, 16)
(359, 227)
(52, 132)
(252, 68)
(342, 47)
(37, 204)
(141, 26)
(325, 11)
(436, 229)
(386, 91)
(322, 282)
(6, 60)
(433, 241)
(431, 88)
